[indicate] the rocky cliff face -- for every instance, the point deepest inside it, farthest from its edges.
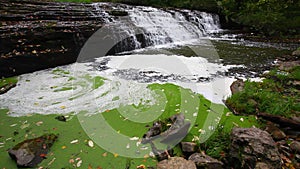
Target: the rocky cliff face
(38, 35)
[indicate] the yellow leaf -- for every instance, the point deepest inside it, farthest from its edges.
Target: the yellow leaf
(116, 155)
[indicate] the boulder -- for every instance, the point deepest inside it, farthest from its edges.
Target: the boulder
(176, 163)
(31, 152)
(205, 161)
(188, 147)
(249, 146)
(237, 86)
(275, 132)
(295, 146)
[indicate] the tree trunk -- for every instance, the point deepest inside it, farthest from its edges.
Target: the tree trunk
(37, 35)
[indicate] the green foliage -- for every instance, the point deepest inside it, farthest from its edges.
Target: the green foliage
(6, 81)
(275, 95)
(270, 17)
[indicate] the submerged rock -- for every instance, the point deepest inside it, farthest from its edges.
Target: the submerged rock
(205, 161)
(31, 152)
(250, 146)
(61, 118)
(176, 163)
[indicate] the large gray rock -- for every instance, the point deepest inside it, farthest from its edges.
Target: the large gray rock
(176, 163)
(249, 146)
(31, 152)
(188, 147)
(205, 161)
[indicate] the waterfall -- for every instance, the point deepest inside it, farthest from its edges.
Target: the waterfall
(149, 26)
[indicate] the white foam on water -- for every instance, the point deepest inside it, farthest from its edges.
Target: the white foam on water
(35, 92)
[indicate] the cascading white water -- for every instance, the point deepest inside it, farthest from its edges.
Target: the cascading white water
(159, 26)
(162, 27)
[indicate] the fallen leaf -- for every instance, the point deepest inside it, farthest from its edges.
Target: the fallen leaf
(63, 147)
(74, 141)
(91, 143)
(116, 155)
(104, 154)
(90, 166)
(39, 123)
(142, 166)
(134, 138)
(62, 107)
(43, 155)
(79, 163)
(13, 125)
(71, 161)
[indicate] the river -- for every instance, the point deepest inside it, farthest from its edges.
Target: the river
(150, 45)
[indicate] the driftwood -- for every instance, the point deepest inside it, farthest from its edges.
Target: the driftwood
(35, 35)
(282, 121)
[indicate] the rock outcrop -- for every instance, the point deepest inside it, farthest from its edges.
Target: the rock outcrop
(252, 146)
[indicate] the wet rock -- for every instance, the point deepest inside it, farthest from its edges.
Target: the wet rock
(176, 163)
(237, 86)
(31, 152)
(296, 52)
(275, 132)
(252, 145)
(205, 161)
(287, 66)
(61, 118)
(295, 146)
(118, 13)
(153, 131)
(7, 87)
(177, 131)
(188, 147)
